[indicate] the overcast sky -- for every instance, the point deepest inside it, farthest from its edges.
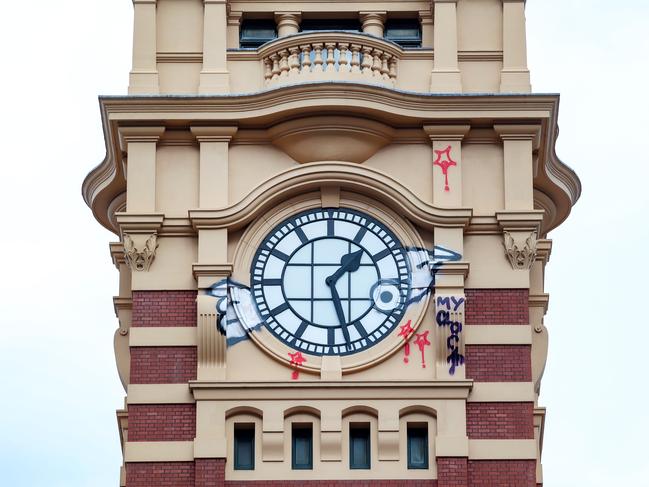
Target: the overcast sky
(58, 380)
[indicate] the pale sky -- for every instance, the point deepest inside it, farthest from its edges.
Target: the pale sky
(58, 378)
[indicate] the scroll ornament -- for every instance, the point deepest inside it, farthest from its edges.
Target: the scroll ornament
(139, 258)
(521, 254)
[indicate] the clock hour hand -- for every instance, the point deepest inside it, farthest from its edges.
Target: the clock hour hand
(348, 263)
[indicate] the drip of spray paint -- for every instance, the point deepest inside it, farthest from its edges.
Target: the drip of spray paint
(405, 332)
(444, 163)
(421, 340)
(297, 359)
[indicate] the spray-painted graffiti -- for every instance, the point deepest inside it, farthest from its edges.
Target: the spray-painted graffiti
(444, 161)
(297, 359)
(405, 331)
(421, 340)
(450, 316)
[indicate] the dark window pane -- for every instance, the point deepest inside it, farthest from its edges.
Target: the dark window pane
(255, 32)
(405, 32)
(417, 447)
(244, 447)
(359, 446)
(302, 455)
(351, 25)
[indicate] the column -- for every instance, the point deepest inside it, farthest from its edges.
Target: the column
(140, 144)
(288, 23)
(445, 77)
(214, 76)
(515, 77)
(143, 78)
(518, 147)
(372, 23)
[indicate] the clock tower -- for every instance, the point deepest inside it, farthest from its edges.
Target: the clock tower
(331, 227)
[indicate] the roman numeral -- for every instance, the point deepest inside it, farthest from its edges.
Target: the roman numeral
(359, 236)
(381, 255)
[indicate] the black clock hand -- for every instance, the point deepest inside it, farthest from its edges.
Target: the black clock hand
(348, 263)
(339, 312)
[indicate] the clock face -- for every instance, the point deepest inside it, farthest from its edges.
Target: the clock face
(331, 281)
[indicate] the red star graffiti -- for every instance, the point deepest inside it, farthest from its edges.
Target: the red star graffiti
(405, 331)
(421, 340)
(297, 359)
(444, 161)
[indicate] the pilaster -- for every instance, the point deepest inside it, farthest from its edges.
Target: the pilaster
(143, 78)
(214, 77)
(446, 77)
(427, 29)
(515, 76)
(234, 26)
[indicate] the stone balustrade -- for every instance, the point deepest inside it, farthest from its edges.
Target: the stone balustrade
(330, 56)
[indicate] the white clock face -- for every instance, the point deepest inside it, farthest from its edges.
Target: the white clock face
(331, 281)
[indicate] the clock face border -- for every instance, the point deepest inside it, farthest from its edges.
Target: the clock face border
(249, 240)
(387, 262)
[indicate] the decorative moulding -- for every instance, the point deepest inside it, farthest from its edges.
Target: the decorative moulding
(348, 139)
(139, 250)
(521, 253)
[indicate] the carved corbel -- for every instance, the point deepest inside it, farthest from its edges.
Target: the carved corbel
(139, 250)
(520, 251)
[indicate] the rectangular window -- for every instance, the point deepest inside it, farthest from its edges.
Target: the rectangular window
(314, 25)
(244, 446)
(359, 446)
(417, 446)
(255, 32)
(302, 443)
(405, 32)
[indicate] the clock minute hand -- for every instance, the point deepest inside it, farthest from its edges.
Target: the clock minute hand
(339, 312)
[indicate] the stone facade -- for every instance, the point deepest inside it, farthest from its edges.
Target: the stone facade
(256, 134)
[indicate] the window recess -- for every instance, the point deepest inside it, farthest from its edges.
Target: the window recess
(302, 446)
(359, 446)
(405, 32)
(417, 446)
(244, 446)
(255, 32)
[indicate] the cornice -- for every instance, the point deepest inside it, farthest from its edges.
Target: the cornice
(347, 176)
(557, 183)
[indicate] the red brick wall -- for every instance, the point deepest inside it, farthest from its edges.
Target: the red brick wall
(333, 483)
(502, 473)
(160, 474)
(210, 472)
(499, 363)
(164, 308)
(161, 422)
(163, 365)
(499, 420)
(451, 472)
(497, 307)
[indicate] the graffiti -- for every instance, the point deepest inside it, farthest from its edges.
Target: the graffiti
(236, 311)
(405, 332)
(450, 311)
(421, 340)
(297, 359)
(424, 266)
(444, 163)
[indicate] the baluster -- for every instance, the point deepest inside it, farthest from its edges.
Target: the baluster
(384, 66)
(283, 63)
(275, 59)
(268, 69)
(306, 58)
(393, 69)
(343, 62)
(376, 66)
(317, 61)
(366, 64)
(294, 61)
(356, 58)
(331, 59)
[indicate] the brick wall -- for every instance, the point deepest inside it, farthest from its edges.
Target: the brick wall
(163, 365)
(210, 472)
(500, 420)
(499, 363)
(497, 307)
(332, 483)
(451, 472)
(161, 422)
(160, 474)
(164, 308)
(502, 473)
